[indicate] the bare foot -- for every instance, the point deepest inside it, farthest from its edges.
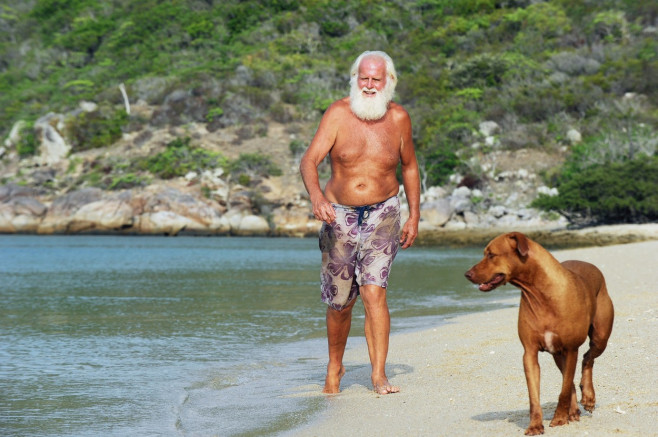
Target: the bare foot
(332, 381)
(383, 387)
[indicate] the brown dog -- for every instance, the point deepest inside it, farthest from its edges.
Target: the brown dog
(561, 304)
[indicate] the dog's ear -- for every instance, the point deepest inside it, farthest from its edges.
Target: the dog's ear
(521, 243)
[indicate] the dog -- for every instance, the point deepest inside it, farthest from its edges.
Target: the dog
(561, 305)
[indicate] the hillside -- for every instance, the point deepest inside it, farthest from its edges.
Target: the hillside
(508, 99)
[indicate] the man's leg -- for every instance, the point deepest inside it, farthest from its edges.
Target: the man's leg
(378, 328)
(338, 328)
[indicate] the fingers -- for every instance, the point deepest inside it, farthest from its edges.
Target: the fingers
(408, 235)
(324, 211)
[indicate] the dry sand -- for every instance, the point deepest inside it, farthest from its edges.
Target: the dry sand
(466, 378)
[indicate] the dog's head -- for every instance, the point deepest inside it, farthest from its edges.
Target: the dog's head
(501, 256)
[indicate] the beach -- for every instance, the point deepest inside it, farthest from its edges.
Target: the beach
(465, 378)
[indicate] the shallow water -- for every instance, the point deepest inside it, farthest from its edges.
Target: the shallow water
(106, 335)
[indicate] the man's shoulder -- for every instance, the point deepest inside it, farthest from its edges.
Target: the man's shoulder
(339, 109)
(339, 105)
(398, 111)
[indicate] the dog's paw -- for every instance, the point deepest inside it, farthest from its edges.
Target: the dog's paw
(535, 430)
(574, 416)
(559, 420)
(588, 403)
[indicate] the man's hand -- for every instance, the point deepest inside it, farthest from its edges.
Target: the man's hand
(323, 210)
(409, 233)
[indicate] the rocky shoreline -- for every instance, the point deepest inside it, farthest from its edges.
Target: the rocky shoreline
(41, 195)
(172, 210)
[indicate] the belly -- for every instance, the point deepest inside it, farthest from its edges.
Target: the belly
(361, 191)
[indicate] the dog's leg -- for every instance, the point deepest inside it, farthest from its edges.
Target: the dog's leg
(561, 416)
(532, 374)
(599, 333)
(574, 411)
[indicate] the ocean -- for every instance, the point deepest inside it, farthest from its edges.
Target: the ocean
(193, 336)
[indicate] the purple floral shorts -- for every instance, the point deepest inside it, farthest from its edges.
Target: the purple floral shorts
(358, 248)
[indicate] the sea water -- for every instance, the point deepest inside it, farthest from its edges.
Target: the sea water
(195, 336)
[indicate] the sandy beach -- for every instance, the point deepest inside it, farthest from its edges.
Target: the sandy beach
(465, 378)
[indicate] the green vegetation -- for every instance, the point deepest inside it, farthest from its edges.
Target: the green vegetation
(126, 181)
(28, 144)
(180, 158)
(249, 166)
(618, 192)
(537, 69)
(91, 130)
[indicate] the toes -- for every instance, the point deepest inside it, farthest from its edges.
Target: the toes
(385, 389)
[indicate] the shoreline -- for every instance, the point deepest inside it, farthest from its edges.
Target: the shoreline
(597, 236)
(465, 377)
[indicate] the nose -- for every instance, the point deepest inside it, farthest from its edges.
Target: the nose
(469, 275)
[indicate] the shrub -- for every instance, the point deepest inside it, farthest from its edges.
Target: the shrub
(90, 130)
(602, 194)
(480, 71)
(297, 147)
(180, 158)
(27, 143)
(253, 165)
(125, 181)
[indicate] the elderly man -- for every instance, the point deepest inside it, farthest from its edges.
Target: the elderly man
(366, 135)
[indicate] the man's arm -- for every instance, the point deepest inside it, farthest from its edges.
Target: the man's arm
(411, 182)
(319, 148)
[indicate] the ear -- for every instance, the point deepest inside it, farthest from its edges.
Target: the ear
(521, 242)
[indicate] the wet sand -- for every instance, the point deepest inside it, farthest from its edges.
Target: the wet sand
(465, 378)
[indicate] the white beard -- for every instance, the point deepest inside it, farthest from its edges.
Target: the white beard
(373, 107)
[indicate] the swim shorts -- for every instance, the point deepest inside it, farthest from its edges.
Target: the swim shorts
(358, 248)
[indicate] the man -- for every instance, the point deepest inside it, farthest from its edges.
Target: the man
(366, 135)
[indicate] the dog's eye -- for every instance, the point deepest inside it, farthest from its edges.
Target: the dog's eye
(490, 255)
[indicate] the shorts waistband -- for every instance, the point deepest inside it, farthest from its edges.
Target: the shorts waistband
(363, 212)
(363, 207)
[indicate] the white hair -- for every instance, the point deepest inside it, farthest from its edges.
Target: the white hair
(373, 108)
(390, 67)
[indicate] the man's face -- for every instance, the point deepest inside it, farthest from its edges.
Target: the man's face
(371, 92)
(371, 77)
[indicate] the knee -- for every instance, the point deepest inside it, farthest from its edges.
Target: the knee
(373, 296)
(341, 315)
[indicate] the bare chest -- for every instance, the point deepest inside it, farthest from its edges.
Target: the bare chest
(357, 143)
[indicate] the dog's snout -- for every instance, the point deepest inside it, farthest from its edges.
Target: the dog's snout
(469, 275)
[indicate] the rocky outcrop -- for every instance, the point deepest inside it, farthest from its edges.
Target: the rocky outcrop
(458, 218)
(171, 210)
(52, 198)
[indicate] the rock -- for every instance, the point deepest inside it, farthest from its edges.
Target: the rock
(15, 134)
(437, 213)
(294, 220)
(460, 200)
(205, 215)
(28, 206)
(21, 215)
(53, 146)
(162, 222)
(433, 193)
(103, 215)
(574, 136)
(10, 191)
(471, 219)
(88, 106)
(547, 191)
(253, 225)
(61, 212)
(234, 218)
(497, 211)
(489, 128)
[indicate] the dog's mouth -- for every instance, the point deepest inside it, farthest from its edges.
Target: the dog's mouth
(497, 280)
